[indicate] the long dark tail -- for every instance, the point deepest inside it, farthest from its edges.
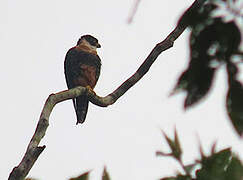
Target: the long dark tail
(81, 105)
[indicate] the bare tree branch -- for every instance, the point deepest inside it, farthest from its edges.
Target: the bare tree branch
(33, 150)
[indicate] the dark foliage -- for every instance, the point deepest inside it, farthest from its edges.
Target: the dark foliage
(222, 165)
(213, 45)
(234, 100)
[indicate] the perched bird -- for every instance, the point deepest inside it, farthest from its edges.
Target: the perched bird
(82, 68)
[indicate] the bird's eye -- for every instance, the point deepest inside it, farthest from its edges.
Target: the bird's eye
(94, 42)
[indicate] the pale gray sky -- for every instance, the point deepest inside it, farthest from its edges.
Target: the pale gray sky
(35, 36)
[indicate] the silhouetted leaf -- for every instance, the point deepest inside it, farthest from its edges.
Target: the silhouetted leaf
(234, 104)
(213, 149)
(105, 175)
(196, 81)
(213, 167)
(199, 85)
(84, 176)
(174, 146)
(177, 142)
(212, 40)
(234, 170)
(178, 149)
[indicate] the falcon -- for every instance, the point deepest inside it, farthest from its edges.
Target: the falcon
(82, 68)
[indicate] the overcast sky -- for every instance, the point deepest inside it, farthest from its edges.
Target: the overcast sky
(35, 36)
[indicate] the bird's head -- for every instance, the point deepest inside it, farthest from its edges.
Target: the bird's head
(89, 41)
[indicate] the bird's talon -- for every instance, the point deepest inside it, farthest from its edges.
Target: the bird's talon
(90, 89)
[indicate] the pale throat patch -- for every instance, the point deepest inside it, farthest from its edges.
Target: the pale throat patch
(85, 46)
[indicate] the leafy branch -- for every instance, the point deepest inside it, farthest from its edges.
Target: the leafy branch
(223, 165)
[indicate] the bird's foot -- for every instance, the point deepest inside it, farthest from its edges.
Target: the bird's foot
(90, 89)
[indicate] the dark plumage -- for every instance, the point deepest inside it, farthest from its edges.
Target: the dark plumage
(82, 68)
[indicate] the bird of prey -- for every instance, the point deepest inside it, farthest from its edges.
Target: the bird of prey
(82, 68)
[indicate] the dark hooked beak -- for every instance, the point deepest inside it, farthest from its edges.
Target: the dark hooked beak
(98, 45)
